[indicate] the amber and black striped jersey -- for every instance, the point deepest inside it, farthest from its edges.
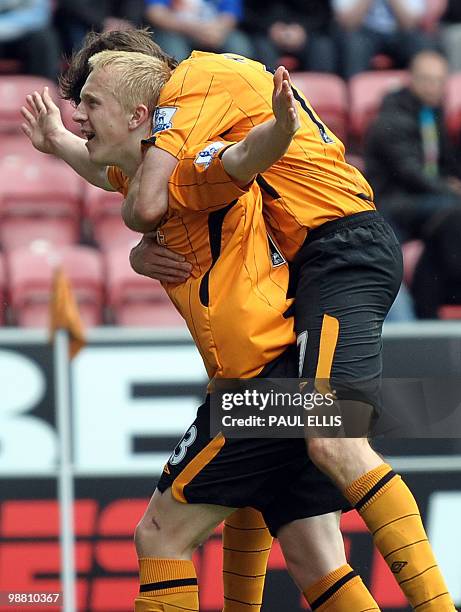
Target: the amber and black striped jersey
(213, 96)
(235, 299)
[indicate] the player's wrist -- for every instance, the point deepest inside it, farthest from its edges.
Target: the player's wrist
(58, 139)
(283, 129)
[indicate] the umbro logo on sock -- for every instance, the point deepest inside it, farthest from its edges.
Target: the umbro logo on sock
(398, 566)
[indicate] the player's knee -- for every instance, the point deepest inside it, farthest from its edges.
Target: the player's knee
(147, 535)
(156, 536)
(324, 452)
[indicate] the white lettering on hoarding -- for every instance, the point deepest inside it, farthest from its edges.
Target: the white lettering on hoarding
(27, 443)
(108, 418)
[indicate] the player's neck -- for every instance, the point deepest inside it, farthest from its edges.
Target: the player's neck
(131, 154)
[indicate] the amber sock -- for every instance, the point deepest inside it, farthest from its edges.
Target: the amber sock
(391, 514)
(340, 591)
(167, 585)
(247, 544)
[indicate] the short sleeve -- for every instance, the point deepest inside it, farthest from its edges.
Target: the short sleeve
(157, 2)
(119, 181)
(200, 182)
(193, 108)
(233, 7)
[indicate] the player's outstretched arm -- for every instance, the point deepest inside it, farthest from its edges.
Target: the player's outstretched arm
(44, 128)
(267, 143)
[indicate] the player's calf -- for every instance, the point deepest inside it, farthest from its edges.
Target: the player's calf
(328, 582)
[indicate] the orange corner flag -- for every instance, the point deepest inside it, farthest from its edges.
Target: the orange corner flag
(64, 312)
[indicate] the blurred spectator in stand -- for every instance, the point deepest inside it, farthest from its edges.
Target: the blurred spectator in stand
(298, 28)
(451, 34)
(370, 27)
(209, 25)
(74, 18)
(416, 177)
(26, 34)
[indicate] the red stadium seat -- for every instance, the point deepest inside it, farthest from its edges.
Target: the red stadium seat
(10, 66)
(30, 278)
(13, 91)
(412, 251)
(453, 106)
(136, 300)
(41, 193)
(328, 95)
(2, 290)
(103, 210)
(367, 90)
(21, 232)
(17, 145)
(450, 312)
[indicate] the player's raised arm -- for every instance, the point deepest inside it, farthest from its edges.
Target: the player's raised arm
(267, 143)
(44, 128)
(147, 199)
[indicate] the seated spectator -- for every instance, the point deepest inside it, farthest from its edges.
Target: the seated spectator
(371, 27)
(416, 177)
(451, 34)
(209, 25)
(74, 18)
(297, 28)
(26, 34)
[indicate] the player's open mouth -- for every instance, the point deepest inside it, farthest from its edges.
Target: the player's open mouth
(89, 135)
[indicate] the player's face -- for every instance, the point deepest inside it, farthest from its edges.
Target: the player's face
(102, 119)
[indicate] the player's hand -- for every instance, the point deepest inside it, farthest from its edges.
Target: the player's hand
(150, 259)
(43, 121)
(283, 103)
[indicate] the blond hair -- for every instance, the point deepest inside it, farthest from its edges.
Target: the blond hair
(137, 78)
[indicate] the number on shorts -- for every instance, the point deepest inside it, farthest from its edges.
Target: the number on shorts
(180, 451)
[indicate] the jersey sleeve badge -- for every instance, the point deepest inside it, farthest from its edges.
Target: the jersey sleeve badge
(206, 155)
(163, 118)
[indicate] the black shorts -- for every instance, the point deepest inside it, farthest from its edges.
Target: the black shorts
(345, 279)
(274, 476)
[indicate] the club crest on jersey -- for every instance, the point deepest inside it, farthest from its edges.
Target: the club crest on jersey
(160, 236)
(205, 157)
(163, 118)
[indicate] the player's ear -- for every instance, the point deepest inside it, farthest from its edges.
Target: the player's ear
(139, 116)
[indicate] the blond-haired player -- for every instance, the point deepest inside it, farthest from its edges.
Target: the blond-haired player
(206, 479)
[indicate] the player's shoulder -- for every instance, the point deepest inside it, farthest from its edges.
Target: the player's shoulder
(202, 70)
(191, 72)
(216, 64)
(226, 62)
